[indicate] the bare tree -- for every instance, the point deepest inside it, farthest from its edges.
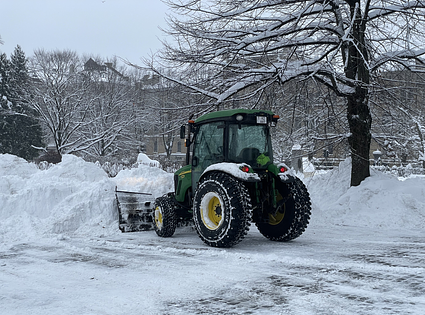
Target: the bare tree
(82, 113)
(397, 106)
(163, 106)
(111, 113)
(248, 45)
(58, 96)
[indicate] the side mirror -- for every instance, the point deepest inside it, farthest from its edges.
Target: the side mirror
(183, 132)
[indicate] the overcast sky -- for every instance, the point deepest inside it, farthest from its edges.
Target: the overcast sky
(124, 28)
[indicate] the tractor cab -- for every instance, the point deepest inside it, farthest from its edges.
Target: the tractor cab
(232, 136)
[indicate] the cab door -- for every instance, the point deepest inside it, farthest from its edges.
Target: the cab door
(208, 149)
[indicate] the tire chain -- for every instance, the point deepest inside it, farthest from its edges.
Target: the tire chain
(168, 215)
(303, 210)
(236, 190)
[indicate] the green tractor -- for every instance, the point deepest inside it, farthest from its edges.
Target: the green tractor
(230, 180)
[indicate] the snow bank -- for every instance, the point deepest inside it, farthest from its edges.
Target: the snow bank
(73, 196)
(76, 197)
(381, 201)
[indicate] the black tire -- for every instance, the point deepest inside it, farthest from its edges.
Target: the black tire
(221, 210)
(292, 218)
(164, 217)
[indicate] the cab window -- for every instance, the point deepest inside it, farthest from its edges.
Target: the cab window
(248, 142)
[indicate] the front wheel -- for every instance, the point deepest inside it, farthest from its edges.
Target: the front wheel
(164, 217)
(221, 210)
(292, 216)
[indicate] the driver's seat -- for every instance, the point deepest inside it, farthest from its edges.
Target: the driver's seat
(249, 155)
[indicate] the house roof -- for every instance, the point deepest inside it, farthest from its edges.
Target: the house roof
(92, 65)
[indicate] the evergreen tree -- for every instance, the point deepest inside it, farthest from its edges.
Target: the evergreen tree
(5, 104)
(4, 83)
(20, 131)
(18, 76)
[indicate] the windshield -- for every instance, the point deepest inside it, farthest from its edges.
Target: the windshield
(250, 144)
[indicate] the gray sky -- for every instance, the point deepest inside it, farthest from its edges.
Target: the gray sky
(124, 28)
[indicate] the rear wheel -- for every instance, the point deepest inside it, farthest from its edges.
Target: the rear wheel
(164, 217)
(221, 210)
(293, 213)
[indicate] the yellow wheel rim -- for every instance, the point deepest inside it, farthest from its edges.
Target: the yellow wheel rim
(211, 211)
(214, 211)
(276, 219)
(158, 217)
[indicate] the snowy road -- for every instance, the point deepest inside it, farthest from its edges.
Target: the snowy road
(335, 270)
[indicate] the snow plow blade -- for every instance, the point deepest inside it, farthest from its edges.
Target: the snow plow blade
(135, 210)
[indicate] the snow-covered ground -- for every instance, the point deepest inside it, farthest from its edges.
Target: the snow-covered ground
(61, 251)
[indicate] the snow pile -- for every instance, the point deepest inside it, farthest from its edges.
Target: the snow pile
(145, 179)
(308, 167)
(73, 196)
(145, 160)
(381, 201)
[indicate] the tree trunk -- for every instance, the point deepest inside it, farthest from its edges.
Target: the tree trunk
(358, 113)
(168, 141)
(359, 120)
